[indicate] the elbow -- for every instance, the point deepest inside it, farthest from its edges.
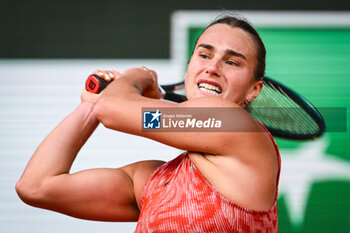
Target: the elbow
(22, 192)
(28, 193)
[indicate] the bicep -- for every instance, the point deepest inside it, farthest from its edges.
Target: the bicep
(97, 194)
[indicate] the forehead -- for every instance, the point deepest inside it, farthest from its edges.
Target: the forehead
(223, 36)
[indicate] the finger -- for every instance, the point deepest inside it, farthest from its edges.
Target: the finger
(98, 72)
(106, 76)
(113, 75)
(103, 74)
(116, 73)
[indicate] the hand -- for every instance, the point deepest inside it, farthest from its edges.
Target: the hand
(108, 76)
(146, 80)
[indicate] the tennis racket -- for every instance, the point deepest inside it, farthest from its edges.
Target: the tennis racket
(285, 113)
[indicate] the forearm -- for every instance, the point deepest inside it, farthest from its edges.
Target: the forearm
(56, 153)
(134, 82)
(125, 96)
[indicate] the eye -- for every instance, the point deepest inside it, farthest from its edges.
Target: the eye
(232, 63)
(204, 55)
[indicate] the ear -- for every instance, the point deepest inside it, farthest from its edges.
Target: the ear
(255, 90)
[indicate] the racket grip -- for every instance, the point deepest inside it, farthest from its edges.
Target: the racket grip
(95, 84)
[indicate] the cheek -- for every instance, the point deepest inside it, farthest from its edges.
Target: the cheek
(239, 88)
(187, 81)
(190, 74)
(194, 65)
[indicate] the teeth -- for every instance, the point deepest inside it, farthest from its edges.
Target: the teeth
(211, 89)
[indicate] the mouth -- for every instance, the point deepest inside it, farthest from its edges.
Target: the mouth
(209, 87)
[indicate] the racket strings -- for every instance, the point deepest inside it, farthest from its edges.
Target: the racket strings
(275, 109)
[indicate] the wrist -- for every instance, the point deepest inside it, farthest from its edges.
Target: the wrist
(86, 109)
(150, 73)
(142, 77)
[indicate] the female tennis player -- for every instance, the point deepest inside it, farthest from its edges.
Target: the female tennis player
(223, 182)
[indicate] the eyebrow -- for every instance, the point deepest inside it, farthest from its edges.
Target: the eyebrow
(227, 51)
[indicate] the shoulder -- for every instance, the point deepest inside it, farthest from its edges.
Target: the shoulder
(247, 174)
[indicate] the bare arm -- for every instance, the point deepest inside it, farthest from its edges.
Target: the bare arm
(57, 152)
(98, 194)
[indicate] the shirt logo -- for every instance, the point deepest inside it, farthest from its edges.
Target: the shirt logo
(152, 119)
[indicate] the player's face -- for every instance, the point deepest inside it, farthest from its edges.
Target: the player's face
(222, 64)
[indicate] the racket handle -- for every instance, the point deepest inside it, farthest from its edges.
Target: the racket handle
(95, 84)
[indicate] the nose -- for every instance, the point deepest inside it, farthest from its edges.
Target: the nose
(213, 68)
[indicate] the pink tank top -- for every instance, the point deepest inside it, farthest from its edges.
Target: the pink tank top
(177, 198)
